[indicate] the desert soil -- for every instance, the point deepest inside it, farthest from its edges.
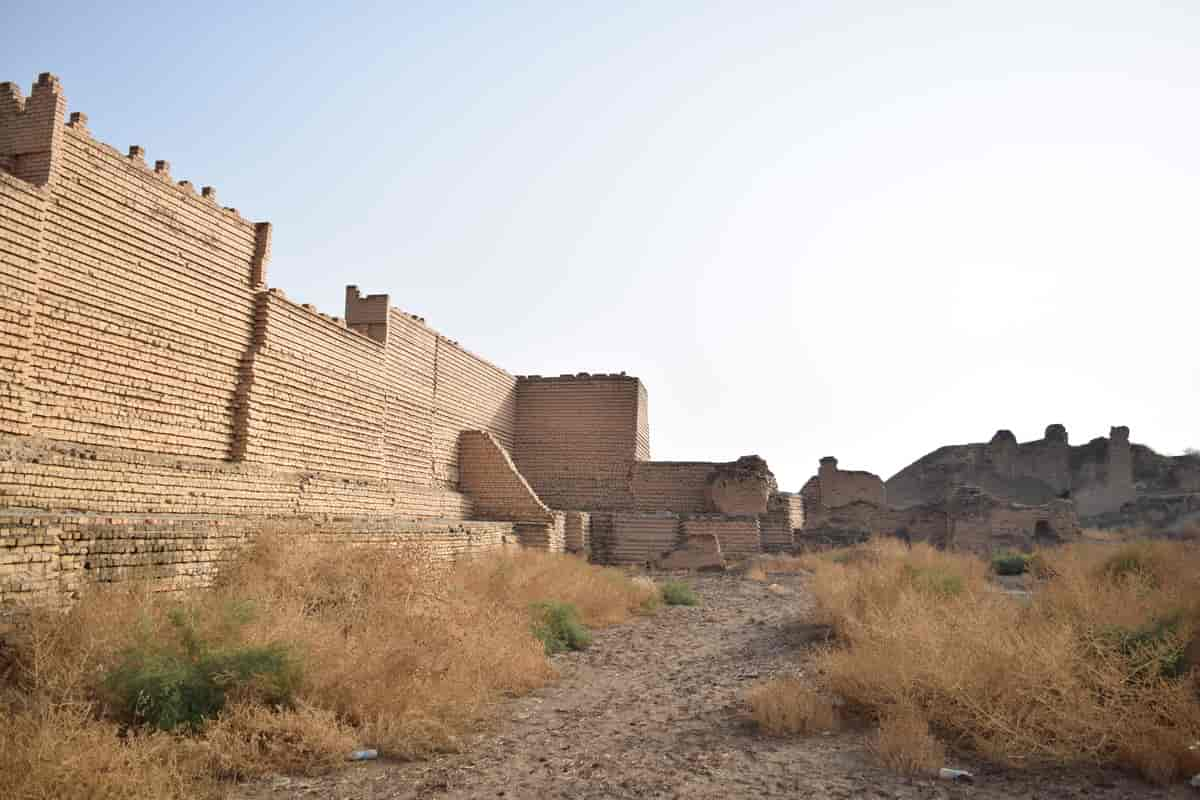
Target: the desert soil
(655, 710)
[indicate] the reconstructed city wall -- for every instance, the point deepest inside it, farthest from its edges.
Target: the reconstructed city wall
(146, 368)
(140, 333)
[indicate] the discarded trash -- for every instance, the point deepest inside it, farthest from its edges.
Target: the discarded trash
(1196, 781)
(960, 775)
(364, 755)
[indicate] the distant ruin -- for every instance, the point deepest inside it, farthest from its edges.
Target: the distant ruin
(160, 404)
(1110, 480)
(843, 507)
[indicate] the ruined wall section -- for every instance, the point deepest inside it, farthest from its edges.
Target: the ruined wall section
(577, 436)
(1098, 475)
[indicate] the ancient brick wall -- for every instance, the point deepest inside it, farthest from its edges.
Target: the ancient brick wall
(49, 558)
(740, 536)
(153, 371)
(577, 533)
(641, 538)
(145, 307)
(577, 437)
(22, 207)
(839, 486)
(314, 394)
(678, 486)
(784, 517)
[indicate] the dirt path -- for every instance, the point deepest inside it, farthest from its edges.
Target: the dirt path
(654, 710)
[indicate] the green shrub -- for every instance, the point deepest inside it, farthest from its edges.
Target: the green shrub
(934, 580)
(1156, 648)
(1009, 563)
(182, 678)
(678, 593)
(558, 628)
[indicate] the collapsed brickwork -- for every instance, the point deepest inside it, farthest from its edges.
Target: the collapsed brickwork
(845, 507)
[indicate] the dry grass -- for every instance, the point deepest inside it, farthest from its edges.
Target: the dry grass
(789, 705)
(904, 743)
(396, 654)
(1085, 673)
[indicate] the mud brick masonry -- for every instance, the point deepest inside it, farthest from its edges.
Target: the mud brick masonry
(160, 404)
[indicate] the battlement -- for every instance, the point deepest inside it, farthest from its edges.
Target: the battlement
(579, 376)
(32, 131)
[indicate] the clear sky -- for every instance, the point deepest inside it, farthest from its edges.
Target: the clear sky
(839, 228)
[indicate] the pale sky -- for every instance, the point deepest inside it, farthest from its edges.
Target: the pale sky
(838, 228)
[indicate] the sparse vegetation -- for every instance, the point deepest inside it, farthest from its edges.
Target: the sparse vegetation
(789, 705)
(678, 593)
(301, 654)
(1092, 670)
(904, 742)
(557, 627)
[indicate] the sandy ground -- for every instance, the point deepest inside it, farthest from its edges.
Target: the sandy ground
(654, 710)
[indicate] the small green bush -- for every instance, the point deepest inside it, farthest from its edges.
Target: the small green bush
(678, 593)
(1009, 563)
(558, 628)
(183, 678)
(935, 581)
(1156, 648)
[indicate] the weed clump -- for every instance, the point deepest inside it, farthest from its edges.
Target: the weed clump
(904, 742)
(557, 627)
(1010, 563)
(678, 593)
(179, 677)
(788, 705)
